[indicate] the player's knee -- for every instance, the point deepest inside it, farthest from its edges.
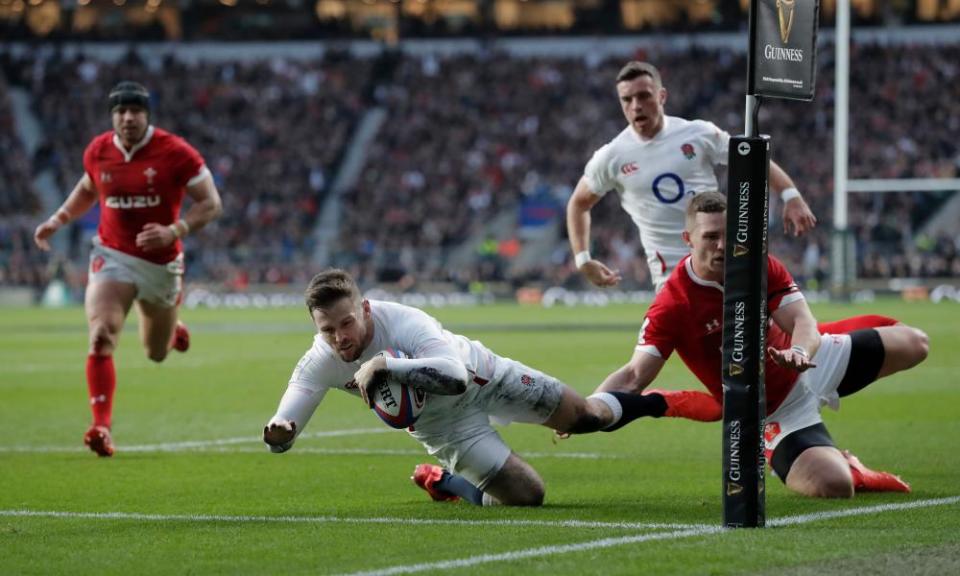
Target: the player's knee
(157, 354)
(533, 495)
(526, 491)
(834, 486)
(103, 339)
(919, 346)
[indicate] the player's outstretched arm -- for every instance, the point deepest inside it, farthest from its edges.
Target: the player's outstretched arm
(797, 216)
(297, 406)
(796, 319)
(81, 198)
(279, 434)
(578, 228)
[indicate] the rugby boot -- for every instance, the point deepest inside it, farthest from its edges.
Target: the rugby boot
(98, 440)
(867, 480)
(426, 476)
(181, 337)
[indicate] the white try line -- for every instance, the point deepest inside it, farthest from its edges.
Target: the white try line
(229, 445)
(620, 541)
(196, 444)
(344, 520)
(413, 452)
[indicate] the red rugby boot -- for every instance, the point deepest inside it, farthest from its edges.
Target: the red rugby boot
(181, 337)
(98, 440)
(867, 480)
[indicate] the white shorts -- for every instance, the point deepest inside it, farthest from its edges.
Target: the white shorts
(160, 284)
(661, 266)
(462, 437)
(814, 389)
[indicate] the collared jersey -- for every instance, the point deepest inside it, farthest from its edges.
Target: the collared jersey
(656, 178)
(397, 327)
(143, 185)
(687, 316)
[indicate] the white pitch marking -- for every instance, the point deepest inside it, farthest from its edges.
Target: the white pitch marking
(415, 452)
(342, 520)
(674, 535)
(830, 514)
(224, 445)
(195, 444)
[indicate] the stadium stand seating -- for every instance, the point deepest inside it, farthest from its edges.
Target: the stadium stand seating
(471, 136)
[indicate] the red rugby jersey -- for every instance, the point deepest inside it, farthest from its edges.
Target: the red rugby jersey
(144, 185)
(687, 316)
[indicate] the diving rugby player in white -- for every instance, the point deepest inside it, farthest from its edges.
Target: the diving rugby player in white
(656, 165)
(465, 383)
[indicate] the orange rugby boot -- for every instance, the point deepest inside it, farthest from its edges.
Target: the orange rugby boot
(425, 476)
(867, 480)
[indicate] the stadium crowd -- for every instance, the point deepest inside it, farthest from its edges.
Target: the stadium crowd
(470, 137)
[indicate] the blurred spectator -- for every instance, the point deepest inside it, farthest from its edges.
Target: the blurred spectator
(467, 137)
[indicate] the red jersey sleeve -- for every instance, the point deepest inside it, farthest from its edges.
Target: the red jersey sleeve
(89, 154)
(188, 164)
(781, 288)
(656, 333)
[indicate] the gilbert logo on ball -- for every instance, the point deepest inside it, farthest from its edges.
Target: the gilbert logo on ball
(396, 403)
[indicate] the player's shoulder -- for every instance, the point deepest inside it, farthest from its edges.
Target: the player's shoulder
(100, 141)
(169, 141)
(696, 126)
(392, 313)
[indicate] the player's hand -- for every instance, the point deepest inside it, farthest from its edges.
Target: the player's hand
(797, 217)
(279, 432)
(370, 374)
(44, 231)
(155, 236)
(791, 358)
(599, 275)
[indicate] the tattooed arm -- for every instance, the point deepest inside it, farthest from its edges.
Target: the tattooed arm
(434, 375)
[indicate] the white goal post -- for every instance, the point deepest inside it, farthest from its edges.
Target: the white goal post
(842, 258)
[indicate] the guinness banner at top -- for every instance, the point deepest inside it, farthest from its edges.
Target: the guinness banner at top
(783, 48)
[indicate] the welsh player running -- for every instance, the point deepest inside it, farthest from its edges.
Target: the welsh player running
(139, 175)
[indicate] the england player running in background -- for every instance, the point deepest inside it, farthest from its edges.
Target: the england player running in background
(657, 164)
(804, 369)
(139, 174)
(465, 383)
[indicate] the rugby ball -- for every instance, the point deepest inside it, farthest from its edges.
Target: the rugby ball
(396, 403)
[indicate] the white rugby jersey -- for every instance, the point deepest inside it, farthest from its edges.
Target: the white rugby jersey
(656, 179)
(395, 326)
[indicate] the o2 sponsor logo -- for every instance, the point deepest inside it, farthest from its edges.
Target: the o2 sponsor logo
(668, 188)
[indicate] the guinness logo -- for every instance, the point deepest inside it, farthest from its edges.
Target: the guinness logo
(785, 10)
(733, 488)
(735, 369)
(740, 250)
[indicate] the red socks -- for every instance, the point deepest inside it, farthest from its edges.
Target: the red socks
(101, 382)
(848, 325)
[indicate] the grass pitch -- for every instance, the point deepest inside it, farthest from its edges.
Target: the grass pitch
(192, 491)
